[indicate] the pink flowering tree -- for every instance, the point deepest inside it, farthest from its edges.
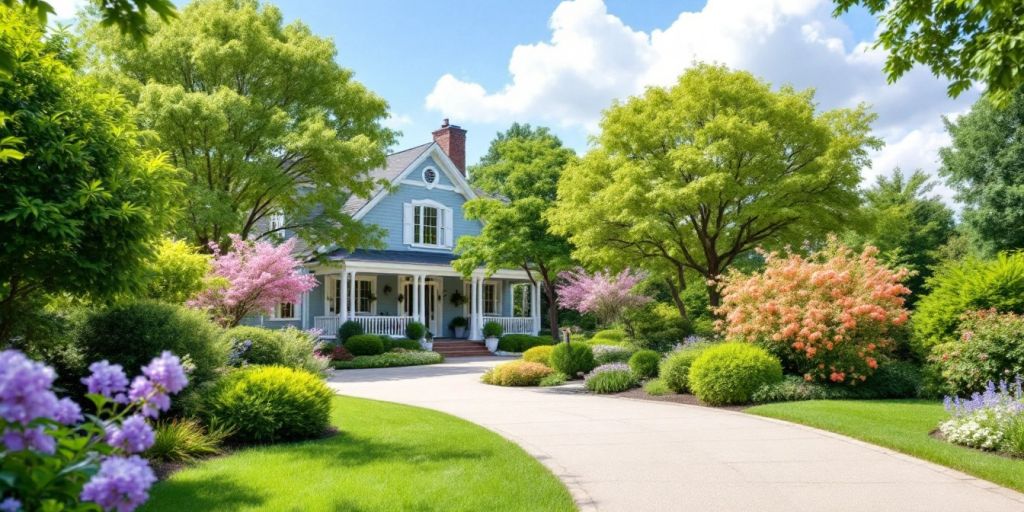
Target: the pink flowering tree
(252, 277)
(830, 316)
(603, 294)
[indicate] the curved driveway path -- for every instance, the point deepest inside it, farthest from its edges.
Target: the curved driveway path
(617, 454)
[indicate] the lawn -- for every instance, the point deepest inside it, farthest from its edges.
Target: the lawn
(385, 457)
(902, 425)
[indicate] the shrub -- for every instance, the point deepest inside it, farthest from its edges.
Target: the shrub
(522, 342)
(572, 359)
(365, 345)
(300, 349)
(253, 345)
(132, 334)
(729, 373)
(493, 330)
(644, 364)
(675, 368)
(792, 388)
(415, 331)
(657, 326)
(989, 420)
(185, 440)
(555, 379)
(604, 354)
(517, 373)
(539, 354)
(967, 285)
(610, 378)
(390, 359)
(264, 404)
(348, 329)
(990, 348)
(830, 316)
(656, 387)
(402, 343)
(610, 334)
(459, 321)
(895, 379)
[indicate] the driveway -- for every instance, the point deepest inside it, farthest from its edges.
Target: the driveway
(617, 454)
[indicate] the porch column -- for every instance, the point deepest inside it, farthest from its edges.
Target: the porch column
(478, 297)
(415, 298)
(535, 307)
(421, 288)
(474, 321)
(343, 300)
(353, 294)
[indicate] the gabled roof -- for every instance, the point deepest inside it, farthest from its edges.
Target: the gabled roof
(396, 163)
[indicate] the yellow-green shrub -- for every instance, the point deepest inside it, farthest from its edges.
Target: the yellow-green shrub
(540, 354)
(517, 373)
(730, 373)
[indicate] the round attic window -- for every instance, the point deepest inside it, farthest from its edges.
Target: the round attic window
(429, 176)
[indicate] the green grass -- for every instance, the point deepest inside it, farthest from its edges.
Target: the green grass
(386, 457)
(902, 425)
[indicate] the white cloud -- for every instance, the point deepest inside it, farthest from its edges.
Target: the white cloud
(64, 10)
(592, 58)
(397, 121)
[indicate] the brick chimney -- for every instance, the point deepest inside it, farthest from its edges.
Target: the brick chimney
(452, 140)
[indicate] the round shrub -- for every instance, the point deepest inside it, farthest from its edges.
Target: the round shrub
(604, 354)
(348, 329)
(254, 345)
(517, 373)
(610, 335)
(493, 330)
(540, 354)
(730, 373)
(133, 334)
(675, 368)
(365, 345)
(415, 331)
(265, 404)
(644, 364)
(610, 378)
(402, 343)
(572, 359)
(990, 348)
(522, 342)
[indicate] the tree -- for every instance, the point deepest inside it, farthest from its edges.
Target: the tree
(604, 294)
(963, 41)
(254, 277)
(82, 203)
(177, 273)
(258, 115)
(522, 170)
(985, 166)
(697, 175)
(907, 226)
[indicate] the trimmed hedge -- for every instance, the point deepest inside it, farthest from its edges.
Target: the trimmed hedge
(348, 329)
(264, 345)
(415, 331)
(644, 364)
(539, 354)
(402, 343)
(517, 373)
(365, 345)
(572, 359)
(675, 368)
(730, 373)
(390, 359)
(522, 342)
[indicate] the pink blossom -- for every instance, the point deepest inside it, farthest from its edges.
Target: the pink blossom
(603, 294)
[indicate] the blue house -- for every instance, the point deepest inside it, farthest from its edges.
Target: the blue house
(412, 278)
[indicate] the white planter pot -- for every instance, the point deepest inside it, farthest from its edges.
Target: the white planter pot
(492, 344)
(460, 332)
(426, 345)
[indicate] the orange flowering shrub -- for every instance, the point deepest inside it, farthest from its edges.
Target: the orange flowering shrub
(830, 316)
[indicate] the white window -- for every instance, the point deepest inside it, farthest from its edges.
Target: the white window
(492, 299)
(276, 221)
(332, 295)
(366, 302)
(430, 177)
(428, 224)
(284, 311)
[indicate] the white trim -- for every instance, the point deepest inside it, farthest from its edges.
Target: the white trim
(383, 267)
(443, 214)
(439, 186)
(372, 279)
(423, 177)
(295, 310)
(497, 297)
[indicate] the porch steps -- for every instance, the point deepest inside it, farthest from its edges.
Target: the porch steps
(461, 348)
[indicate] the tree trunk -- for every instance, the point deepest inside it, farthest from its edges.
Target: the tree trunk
(675, 291)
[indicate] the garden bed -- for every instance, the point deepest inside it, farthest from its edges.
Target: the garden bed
(389, 360)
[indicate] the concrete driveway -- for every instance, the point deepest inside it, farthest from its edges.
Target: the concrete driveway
(617, 454)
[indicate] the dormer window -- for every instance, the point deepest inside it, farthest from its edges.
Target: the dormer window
(430, 177)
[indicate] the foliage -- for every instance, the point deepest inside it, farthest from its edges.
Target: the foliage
(364, 345)
(984, 166)
(264, 404)
(603, 294)
(493, 330)
(675, 368)
(984, 420)
(968, 285)
(830, 316)
(302, 350)
(131, 334)
(415, 330)
(390, 359)
(459, 321)
(990, 348)
(892, 380)
(539, 354)
(517, 373)
(604, 354)
(572, 359)
(253, 345)
(295, 135)
(254, 278)
(131, 18)
(610, 334)
(522, 166)
(657, 387)
(609, 378)
(555, 379)
(80, 195)
(399, 343)
(693, 177)
(56, 458)
(657, 325)
(522, 342)
(177, 273)
(965, 42)
(348, 329)
(730, 373)
(644, 364)
(185, 440)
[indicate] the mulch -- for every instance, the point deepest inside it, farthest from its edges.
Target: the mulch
(687, 399)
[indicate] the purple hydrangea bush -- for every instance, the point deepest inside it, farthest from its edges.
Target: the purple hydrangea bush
(989, 420)
(54, 457)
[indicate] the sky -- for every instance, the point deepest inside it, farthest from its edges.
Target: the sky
(487, 64)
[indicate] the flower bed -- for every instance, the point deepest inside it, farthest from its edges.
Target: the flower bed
(390, 359)
(992, 420)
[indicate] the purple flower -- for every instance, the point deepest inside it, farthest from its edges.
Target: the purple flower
(133, 436)
(121, 484)
(1006, 396)
(10, 505)
(152, 399)
(108, 380)
(166, 371)
(610, 367)
(25, 388)
(34, 438)
(67, 412)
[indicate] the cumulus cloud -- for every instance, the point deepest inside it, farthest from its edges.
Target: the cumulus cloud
(593, 58)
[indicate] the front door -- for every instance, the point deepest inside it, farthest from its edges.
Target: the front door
(431, 313)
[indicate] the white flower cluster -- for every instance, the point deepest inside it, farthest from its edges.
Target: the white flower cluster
(984, 428)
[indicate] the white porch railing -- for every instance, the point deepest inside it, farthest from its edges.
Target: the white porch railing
(328, 325)
(388, 325)
(512, 324)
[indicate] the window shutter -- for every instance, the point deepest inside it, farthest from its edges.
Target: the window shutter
(407, 224)
(449, 228)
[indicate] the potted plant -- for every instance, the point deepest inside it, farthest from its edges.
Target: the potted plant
(492, 331)
(458, 326)
(417, 331)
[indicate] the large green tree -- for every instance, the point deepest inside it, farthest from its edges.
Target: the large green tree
(985, 166)
(258, 115)
(965, 41)
(81, 203)
(521, 172)
(696, 175)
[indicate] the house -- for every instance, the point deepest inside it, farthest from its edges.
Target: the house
(412, 278)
